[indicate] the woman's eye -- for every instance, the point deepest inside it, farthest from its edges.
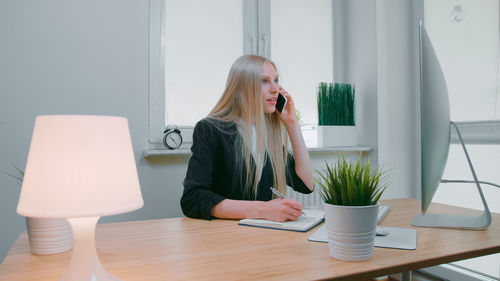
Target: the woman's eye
(277, 81)
(264, 81)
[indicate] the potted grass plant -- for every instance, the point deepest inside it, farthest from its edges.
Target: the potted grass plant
(351, 192)
(336, 115)
(46, 235)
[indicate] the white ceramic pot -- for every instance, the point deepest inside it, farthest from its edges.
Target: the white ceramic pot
(337, 136)
(49, 235)
(351, 231)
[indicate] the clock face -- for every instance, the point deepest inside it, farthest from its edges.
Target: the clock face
(173, 140)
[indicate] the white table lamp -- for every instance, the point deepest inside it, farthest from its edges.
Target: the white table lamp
(80, 167)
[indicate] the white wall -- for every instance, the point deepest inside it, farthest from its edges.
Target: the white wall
(378, 54)
(360, 68)
(397, 135)
(77, 57)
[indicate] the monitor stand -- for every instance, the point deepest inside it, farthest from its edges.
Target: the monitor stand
(480, 222)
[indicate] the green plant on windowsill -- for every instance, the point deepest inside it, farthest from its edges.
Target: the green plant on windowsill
(298, 113)
(348, 184)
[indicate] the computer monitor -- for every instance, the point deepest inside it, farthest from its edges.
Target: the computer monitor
(435, 141)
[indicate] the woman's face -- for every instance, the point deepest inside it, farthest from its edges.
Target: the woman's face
(270, 87)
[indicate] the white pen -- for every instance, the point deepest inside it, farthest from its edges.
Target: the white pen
(275, 191)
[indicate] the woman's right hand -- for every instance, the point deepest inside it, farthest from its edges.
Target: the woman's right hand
(281, 210)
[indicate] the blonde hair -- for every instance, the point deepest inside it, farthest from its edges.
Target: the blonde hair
(241, 101)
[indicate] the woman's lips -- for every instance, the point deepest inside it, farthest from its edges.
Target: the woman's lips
(272, 101)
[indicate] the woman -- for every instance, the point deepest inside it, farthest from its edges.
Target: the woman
(239, 151)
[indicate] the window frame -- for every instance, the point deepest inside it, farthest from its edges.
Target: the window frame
(257, 29)
(156, 71)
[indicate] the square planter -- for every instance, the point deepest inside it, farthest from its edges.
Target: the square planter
(337, 136)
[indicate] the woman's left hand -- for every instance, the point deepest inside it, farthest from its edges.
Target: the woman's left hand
(288, 116)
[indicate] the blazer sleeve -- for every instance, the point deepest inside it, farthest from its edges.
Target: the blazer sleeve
(292, 179)
(198, 199)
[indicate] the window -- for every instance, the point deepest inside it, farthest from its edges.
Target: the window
(302, 47)
(468, 51)
(200, 40)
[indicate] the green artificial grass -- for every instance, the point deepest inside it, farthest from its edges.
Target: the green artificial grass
(336, 104)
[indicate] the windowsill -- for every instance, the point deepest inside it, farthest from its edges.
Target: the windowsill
(336, 149)
(312, 150)
(164, 152)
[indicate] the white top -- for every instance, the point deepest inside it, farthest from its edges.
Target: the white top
(252, 145)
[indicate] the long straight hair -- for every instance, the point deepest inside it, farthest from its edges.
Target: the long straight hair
(241, 102)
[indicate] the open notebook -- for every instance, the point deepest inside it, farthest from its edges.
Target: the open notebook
(310, 219)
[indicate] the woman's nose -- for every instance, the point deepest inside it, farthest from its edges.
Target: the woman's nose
(275, 87)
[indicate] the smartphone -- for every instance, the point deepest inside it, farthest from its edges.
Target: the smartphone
(281, 102)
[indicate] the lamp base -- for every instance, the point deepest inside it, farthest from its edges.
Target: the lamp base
(85, 264)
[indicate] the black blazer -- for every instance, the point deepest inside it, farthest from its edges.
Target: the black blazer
(214, 172)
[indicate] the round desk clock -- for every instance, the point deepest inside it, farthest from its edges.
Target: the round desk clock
(172, 138)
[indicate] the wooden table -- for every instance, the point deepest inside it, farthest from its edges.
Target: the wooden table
(189, 249)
